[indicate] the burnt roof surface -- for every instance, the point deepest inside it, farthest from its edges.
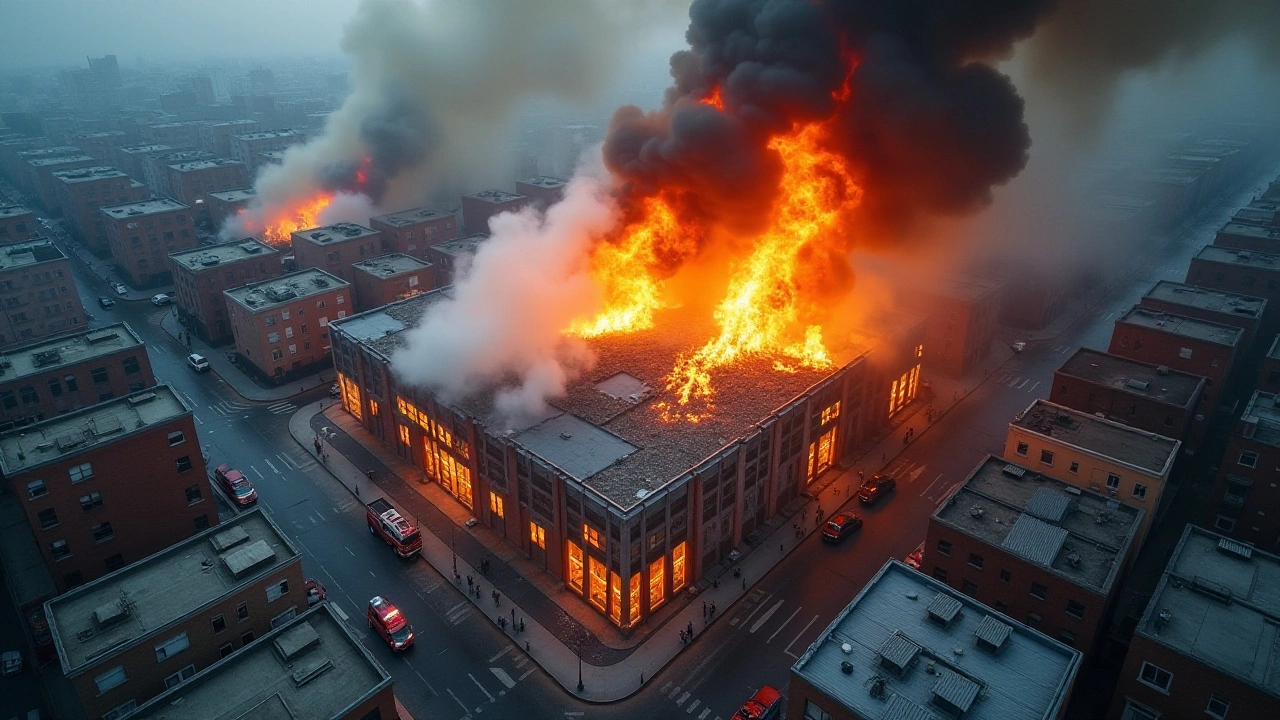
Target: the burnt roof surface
(1246, 306)
(663, 450)
(1181, 325)
(1097, 530)
(1156, 382)
(1139, 449)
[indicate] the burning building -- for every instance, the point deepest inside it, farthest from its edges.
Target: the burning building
(623, 503)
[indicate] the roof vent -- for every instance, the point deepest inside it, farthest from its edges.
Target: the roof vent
(943, 609)
(1163, 619)
(846, 667)
(114, 612)
(249, 558)
(46, 357)
(1162, 369)
(296, 641)
(1073, 559)
(142, 399)
(1244, 551)
(1014, 471)
(1136, 384)
(846, 648)
(991, 634)
(228, 539)
(976, 512)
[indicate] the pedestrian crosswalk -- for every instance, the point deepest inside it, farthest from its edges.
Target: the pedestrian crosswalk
(692, 706)
(281, 408)
(230, 407)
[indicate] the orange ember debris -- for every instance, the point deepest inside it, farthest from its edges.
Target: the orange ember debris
(282, 225)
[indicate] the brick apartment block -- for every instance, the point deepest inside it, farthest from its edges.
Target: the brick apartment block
(14, 153)
(141, 630)
(544, 191)
(43, 184)
(133, 159)
(1244, 498)
(84, 192)
(246, 147)
(201, 275)
(962, 316)
(66, 373)
(1217, 306)
(411, 232)
(1206, 645)
(1242, 272)
(334, 248)
(479, 207)
(101, 145)
(1249, 236)
(387, 278)
(447, 258)
(37, 293)
(281, 325)
(1034, 548)
(156, 168)
(191, 182)
(92, 513)
(17, 224)
(178, 134)
(216, 137)
(141, 236)
(224, 204)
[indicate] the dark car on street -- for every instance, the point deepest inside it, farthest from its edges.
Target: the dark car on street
(875, 488)
(235, 485)
(106, 302)
(840, 526)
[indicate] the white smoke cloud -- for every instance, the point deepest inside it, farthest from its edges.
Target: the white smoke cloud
(504, 326)
(348, 207)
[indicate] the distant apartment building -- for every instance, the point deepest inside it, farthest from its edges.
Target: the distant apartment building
(37, 293)
(411, 232)
(93, 514)
(1034, 297)
(1250, 237)
(101, 145)
(1094, 454)
(84, 192)
(191, 182)
(156, 168)
(1244, 272)
(1206, 645)
(68, 372)
(17, 224)
(1269, 374)
(1245, 496)
(246, 147)
(1217, 306)
(281, 325)
(290, 668)
(962, 316)
(388, 278)
(448, 258)
(185, 134)
(544, 190)
(1034, 548)
(334, 248)
(200, 276)
(133, 159)
(45, 186)
(142, 234)
(216, 137)
(225, 204)
(479, 207)
(911, 648)
(1155, 398)
(13, 157)
(1184, 343)
(144, 629)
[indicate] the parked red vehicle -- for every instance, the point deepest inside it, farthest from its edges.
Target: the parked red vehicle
(235, 485)
(766, 704)
(387, 620)
(316, 592)
(397, 530)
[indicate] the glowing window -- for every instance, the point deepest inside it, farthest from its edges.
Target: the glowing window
(598, 582)
(350, 396)
(495, 504)
(592, 536)
(373, 407)
(831, 413)
(822, 453)
(575, 566)
(615, 598)
(678, 567)
(404, 433)
(657, 584)
(538, 535)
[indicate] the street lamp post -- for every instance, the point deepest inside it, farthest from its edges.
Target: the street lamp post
(579, 648)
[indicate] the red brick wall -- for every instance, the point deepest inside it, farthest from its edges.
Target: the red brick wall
(413, 240)
(1257, 281)
(311, 344)
(1212, 361)
(87, 392)
(33, 317)
(18, 228)
(144, 500)
(1254, 514)
(1133, 410)
(372, 291)
(310, 255)
(1248, 324)
(199, 294)
(141, 244)
(81, 202)
(1190, 688)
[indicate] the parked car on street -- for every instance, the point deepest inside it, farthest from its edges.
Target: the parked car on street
(766, 704)
(315, 592)
(105, 302)
(840, 526)
(235, 485)
(387, 620)
(162, 299)
(876, 487)
(198, 362)
(916, 558)
(120, 289)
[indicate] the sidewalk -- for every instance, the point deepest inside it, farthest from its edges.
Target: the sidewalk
(558, 635)
(244, 385)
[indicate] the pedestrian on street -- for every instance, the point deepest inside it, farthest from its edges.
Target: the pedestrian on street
(861, 474)
(744, 584)
(497, 598)
(470, 583)
(690, 628)
(704, 609)
(713, 610)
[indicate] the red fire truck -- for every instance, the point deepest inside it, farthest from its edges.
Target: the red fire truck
(399, 532)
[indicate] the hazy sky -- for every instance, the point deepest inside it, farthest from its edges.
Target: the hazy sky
(63, 32)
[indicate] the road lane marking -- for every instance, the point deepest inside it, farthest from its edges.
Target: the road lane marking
(664, 688)
(682, 700)
(765, 617)
(755, 597)
(803, 630)
(705, 712)
(674, 692)
(693, 706)
(286, 462)
(465, 709)
(197, 417)
(503, 677)
(344, 547)
(1033, 387)
(1024, 383)
(931, 485)
(784, 624)
(477, 682)
(526, 674)
(338, 609)
(502, 652)
(273, 467)
(259, 472)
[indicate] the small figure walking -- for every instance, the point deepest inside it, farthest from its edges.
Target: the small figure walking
(690, 628)
(704, 609)
(713, 610)
(744, 584)
(862, 474)
(470, 584)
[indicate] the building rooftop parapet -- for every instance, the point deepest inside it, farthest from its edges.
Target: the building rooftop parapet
(50, 354)
(1143, 451)
(143, 208)
(1181, 325)
(273, 292)
(1134, 377)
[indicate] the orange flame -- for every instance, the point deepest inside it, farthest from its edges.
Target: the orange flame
(714, 99)
(279, 228)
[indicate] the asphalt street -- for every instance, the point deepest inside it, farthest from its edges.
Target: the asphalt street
(463, 665)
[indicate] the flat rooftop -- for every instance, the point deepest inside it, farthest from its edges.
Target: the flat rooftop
(267, 134)
(390, 265)
(142, 149)
(266, 294)
(28, 253)
(1144, 451)
(546, 181)
(336, 233)
(164, 587)
(231, 196)
(55, 151)
(1245, 306)
(58, 160)
(607, 432)
(52, 353)
(494, 196)
(88, 174)
(181, 156)
(73, 433)
(10, 211)
(1183, 326)
(984, 664)
(1252, 230)
(204, 164)
(1154, 382)
(146, 207)
(459, 247)
(211, 257)
(310, 667)
(411, 216)
(1243, 258)
(1263, 412)
(1078, 535)
(1218, 603)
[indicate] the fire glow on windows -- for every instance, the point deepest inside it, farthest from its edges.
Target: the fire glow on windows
(822, 453)
(678, 567)
(657, 584)
(452, 474)
(592, 536)
(575, 566)
(495, 505)
(538, 535)
(404, 434)
(615, 598)
(903, 390)
(350, 396)
(598, 582)
(831, 413)
(635, 597)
